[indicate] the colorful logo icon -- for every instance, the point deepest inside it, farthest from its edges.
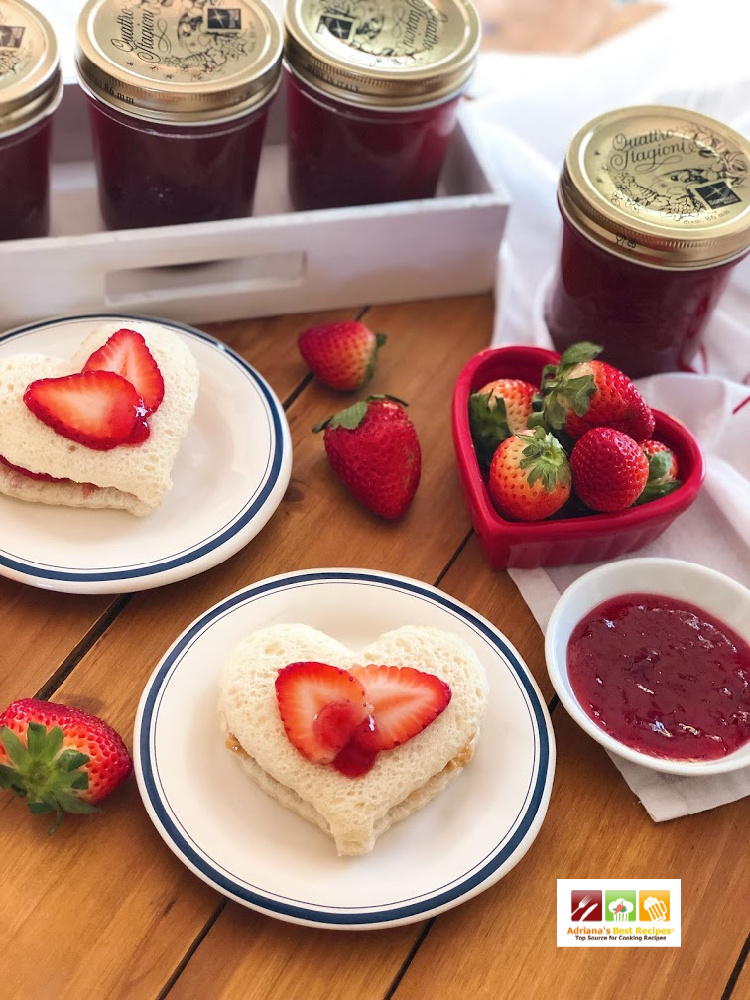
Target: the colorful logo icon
(654, 905)
(619, 906)
(585, 905)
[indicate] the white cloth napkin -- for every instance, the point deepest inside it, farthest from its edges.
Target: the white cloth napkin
(529, 107)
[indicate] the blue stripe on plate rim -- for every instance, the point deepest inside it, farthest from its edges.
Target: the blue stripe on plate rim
(442, 896)
(222, 534)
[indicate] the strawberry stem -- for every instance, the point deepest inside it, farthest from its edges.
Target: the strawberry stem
(353, 415)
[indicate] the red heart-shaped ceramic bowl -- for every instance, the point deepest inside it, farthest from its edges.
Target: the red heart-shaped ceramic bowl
(561, 541)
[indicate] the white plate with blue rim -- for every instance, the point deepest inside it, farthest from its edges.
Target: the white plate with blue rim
(249, 847)
(230, 475)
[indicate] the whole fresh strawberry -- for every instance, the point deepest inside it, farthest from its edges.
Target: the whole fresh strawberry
(59, 759)
(496, 411)
(374, 450)
(529, 478)
(341, 355)
(609, 469)
(580, 393)
(663, 471)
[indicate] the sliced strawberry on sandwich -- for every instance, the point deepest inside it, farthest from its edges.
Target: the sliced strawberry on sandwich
(404, 702)
(320, 707)
(98, 409)
(127, 354)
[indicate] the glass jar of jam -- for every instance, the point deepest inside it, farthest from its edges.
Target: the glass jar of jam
(178, 98)
(656, 212)
(372, 96)
(30, 91)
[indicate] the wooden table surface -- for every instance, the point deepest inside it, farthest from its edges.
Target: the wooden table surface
(104, 910)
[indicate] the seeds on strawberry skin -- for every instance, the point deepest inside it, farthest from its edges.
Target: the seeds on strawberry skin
(60, 759)
(663, 471)
(667, 469)
(374, 450)
(529, 478)
(609, 469)
(496, 411)
(580, 393)
(341, 355)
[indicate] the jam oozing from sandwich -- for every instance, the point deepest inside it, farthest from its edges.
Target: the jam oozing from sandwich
(40, 476)
(109, 401)
(87, 488)
(663, 677)
(345, 718)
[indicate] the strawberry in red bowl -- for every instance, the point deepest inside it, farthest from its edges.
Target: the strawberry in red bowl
(577, 531)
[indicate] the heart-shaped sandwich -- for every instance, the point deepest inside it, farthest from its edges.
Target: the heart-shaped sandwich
(352, 743)
(101, 429)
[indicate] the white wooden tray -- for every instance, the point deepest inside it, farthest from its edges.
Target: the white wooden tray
(276, 261)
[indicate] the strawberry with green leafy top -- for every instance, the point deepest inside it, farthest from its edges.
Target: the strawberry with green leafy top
(529, 478)
(496, 411)
(374, 450)
(665, 468)
(579, 393)
(609, 469)
(341, 355)
(59, 759)
(663, 471)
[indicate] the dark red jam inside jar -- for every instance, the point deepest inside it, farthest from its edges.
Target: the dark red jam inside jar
(656, 212)
(662, 676)
(391, 157)
(178, 103)
(373, 97)
(30, 91)
(151, 174)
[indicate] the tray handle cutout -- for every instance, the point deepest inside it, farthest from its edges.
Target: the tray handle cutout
(142, 286)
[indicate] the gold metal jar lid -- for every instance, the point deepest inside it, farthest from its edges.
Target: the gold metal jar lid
(660, 185)
(383, 53)
(30, 80)
(186, 62)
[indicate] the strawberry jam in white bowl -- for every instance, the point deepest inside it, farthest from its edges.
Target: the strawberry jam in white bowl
(651, 657)
(560, 540)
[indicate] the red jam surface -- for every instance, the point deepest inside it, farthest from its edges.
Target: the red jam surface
(157, 175)
(24, 179)
(647, 319)
(343, 155)
(663, 677)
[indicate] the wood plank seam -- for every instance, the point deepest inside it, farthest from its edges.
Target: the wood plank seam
(73, 658)
(408, 960)
(191, 949)
(461, 546)
(734, 975)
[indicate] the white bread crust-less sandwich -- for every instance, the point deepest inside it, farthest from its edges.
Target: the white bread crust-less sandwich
(134, 478)
(353, 811)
